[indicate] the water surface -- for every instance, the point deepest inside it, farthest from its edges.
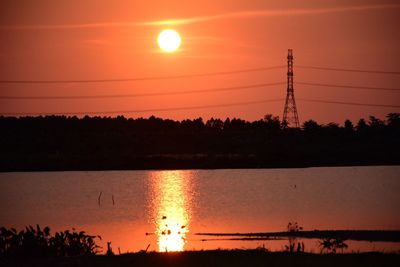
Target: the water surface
(171, 206)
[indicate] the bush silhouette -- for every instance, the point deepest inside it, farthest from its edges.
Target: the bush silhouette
(33, 242)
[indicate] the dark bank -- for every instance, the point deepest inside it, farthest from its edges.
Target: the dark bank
(217, 258)
(57, 143)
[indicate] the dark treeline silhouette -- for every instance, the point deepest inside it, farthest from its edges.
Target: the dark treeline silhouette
(71, 143)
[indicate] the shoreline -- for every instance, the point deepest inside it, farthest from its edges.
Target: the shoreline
(355, 235)
(160, 167)
(256, 257)
(59, 143)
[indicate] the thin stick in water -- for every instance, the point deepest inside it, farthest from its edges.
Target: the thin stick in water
(99, 199)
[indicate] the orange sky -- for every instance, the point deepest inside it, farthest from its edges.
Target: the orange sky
(96, 39)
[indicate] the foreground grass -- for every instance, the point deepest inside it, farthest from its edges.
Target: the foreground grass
(215, 258)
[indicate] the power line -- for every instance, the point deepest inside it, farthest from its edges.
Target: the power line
(221, 89)
(349, 86)
(348, 103)
(348, 70)
(195, 107)
(144, 110)
(150, 78)
(211, 90)
(192, 75)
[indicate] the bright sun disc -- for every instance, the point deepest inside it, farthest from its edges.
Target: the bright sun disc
(169, 40)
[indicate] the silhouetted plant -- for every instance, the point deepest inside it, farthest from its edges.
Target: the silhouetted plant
(109, 250)
(294, 245)
(37, 242)
(294, 227)
(340, 244)
(330, 245)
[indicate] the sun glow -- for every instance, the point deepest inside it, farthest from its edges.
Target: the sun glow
(171, 208)
(169, 40)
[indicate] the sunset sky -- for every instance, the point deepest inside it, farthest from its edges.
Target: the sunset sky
(47, 40)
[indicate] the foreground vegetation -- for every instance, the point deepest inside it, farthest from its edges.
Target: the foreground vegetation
(37, 247)
(104, 143)
(35, 242)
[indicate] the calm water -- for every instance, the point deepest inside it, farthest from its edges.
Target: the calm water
(174, 205)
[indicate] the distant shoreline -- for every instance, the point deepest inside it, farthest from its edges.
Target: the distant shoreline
(176, 165)
(57, 143)
(356, 235)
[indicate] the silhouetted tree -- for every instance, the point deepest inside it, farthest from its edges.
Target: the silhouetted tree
(362, 125)
(72, 143)
(332, 126)
(375, 122)
(215, 124)
(348, 126)
(311, 126)
(393, 119)
(272, 123)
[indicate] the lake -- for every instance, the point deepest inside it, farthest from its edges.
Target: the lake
(172, 206)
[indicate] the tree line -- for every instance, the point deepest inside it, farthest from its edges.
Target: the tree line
(90, 143)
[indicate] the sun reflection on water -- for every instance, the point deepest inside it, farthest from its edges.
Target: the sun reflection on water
(171, 208)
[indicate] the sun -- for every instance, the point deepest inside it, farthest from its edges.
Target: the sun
(169, 40)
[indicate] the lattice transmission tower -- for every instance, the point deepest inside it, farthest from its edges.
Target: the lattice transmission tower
(290, 116)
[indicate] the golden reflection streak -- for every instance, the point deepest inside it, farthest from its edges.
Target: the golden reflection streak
(171, 208)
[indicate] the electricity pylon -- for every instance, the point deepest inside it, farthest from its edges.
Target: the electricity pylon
(290, 116)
